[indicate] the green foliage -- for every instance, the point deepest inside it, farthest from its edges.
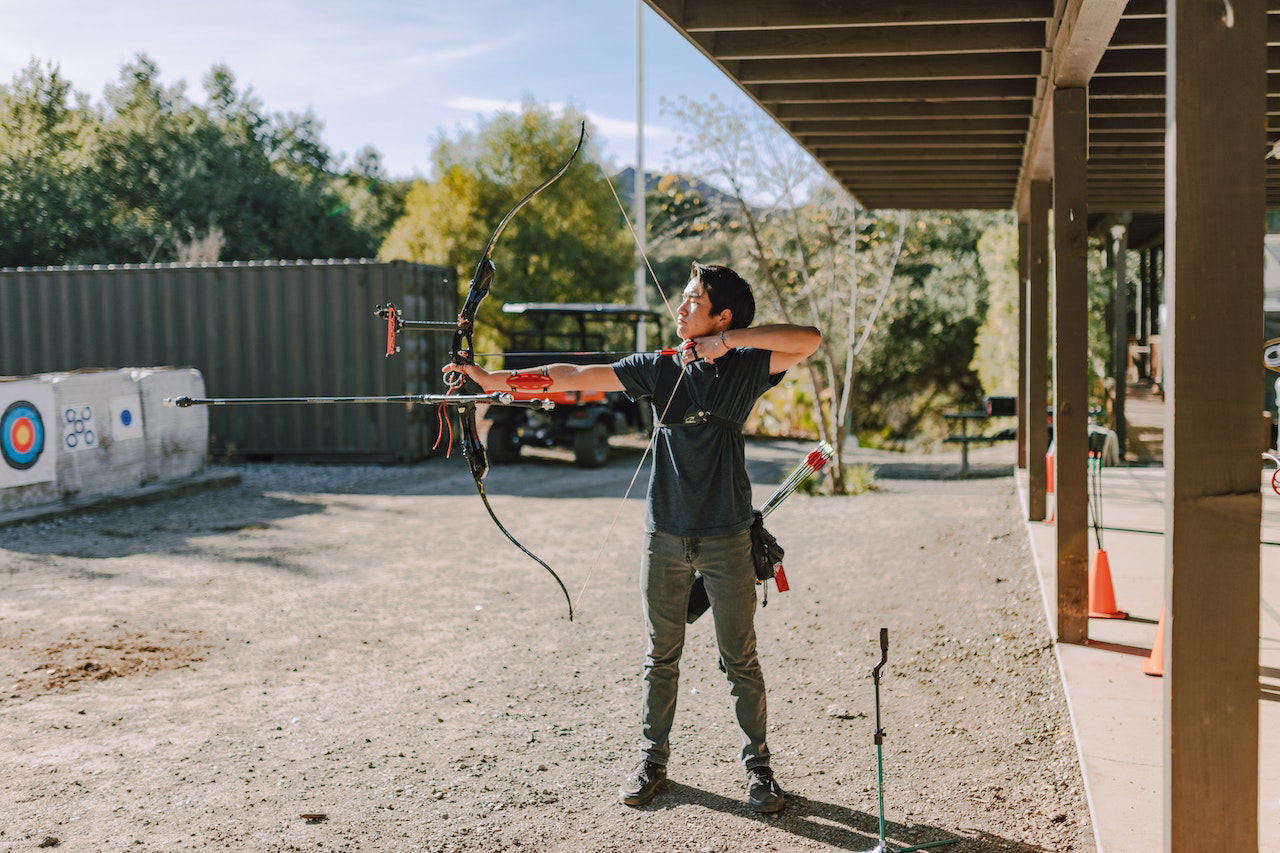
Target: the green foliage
(861, 478)
(569, 245)
(786, 410)
(899, 296)
(48, 206)
(150, 174)
(1101, 282)
(996, 352)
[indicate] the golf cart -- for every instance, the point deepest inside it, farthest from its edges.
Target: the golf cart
(571, 333)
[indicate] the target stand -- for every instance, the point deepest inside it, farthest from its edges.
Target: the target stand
(883, 846)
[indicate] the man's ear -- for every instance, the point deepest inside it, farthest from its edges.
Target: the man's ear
(727, 316)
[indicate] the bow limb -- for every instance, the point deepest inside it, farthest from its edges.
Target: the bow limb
(514, 541)
(463, 353)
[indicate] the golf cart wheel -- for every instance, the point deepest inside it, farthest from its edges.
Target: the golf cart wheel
(503, 444)
(591, 446)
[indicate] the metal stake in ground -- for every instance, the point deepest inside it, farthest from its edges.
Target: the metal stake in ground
(882, 847)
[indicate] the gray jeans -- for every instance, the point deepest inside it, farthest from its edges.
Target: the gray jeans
(666, 576)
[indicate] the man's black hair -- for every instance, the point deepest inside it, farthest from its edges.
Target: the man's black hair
(726, 289)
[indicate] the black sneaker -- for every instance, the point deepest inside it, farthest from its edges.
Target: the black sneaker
(643, 784)
(763, 791)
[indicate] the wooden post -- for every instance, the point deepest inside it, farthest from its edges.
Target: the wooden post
(1120, 329)
(1214, 224)
(1143, 310)
(1070, 362)
(1024, 266)
(1037, 374)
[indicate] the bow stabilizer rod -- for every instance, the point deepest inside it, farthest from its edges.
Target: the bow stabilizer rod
(497, 398)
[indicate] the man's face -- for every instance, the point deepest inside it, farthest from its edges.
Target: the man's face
(694, 318)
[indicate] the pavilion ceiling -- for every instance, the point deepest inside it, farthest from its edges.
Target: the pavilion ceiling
(945, 103)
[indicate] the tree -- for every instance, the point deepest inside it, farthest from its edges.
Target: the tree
(570, 245)
(996, 350)
(50, 212)
(370, 199)
(899, 296)
(153, 176)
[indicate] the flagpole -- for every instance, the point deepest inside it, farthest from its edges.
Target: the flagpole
(642, 291)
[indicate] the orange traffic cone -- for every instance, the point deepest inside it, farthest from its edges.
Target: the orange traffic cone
(1050, 502)
(1154, 665)
(1102, 596)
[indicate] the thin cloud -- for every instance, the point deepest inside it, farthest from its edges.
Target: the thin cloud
(612, 134)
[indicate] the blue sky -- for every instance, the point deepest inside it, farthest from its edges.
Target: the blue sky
(393, 74)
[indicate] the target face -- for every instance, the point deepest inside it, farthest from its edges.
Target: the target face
(28, 434)
(126, 417)
(79, 431)
(1271, 354)
(21, 435)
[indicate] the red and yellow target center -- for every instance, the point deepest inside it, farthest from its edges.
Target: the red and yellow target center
(22, 436)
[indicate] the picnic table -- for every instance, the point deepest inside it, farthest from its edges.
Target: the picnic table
(964, 438)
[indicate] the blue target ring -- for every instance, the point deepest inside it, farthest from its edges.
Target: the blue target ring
(21, 435)
(126, 418)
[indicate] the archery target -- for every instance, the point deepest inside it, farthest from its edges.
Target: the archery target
(23, 442)
(126, 417)
(24, 429)
(1271, 354)
(79, 430)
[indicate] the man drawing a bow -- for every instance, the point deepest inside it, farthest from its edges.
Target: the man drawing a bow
(699, 504)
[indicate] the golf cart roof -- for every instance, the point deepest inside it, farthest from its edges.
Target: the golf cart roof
(581, 309)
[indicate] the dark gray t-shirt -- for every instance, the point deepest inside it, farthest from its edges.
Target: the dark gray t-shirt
(699, 485)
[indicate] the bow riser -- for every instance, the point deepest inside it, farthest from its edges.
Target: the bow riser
(481, 282)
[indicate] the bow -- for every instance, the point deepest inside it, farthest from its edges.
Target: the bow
(461, 354)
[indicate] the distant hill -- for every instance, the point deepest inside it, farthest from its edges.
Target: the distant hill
(688, 206)
(714, 199)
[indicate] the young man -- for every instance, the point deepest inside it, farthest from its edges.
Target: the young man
(699, 505)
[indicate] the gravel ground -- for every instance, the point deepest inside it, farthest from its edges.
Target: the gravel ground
(353, 658)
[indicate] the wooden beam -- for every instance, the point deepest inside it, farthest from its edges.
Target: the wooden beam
(1104, 123)
(1070, 362)
(1037, 287)
(905, 172)
(1080, 39)
(862, 167)
(875, 41)
(936, 199)
(1126, 87)
(1138, 32)
(1151, 139)
(915, 110)
(924, 184)
(1214, 432)
(949, 126)
(938, 150)
(937, 91)
(715, 15)
(1150, 163)
(989, 140)
(1151, 61)
(1124, 106)
(920, 67)
(1131, 63)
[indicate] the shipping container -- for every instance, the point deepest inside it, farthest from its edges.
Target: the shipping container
(253, 329)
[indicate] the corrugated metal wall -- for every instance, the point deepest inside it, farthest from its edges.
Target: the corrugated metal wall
(269, 329)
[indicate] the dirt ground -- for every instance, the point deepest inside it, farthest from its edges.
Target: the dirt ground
(353, 658)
